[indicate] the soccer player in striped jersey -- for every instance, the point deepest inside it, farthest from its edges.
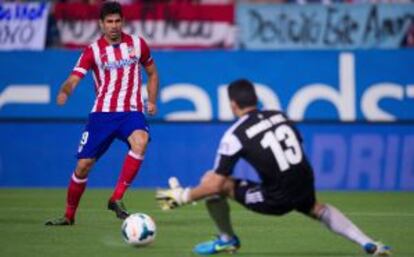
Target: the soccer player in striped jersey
(272, 145)
(116, 60)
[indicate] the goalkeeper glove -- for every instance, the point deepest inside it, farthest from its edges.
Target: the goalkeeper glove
(174, 197)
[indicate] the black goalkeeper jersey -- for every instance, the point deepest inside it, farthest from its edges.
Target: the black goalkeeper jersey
(271, 144)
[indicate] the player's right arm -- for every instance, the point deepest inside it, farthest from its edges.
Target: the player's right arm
(67, 88)
(82, 66)
(212, 183)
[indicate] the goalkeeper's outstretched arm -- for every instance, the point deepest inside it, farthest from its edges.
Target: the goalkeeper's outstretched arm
(211, 184)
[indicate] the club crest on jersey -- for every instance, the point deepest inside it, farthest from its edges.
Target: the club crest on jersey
(132, 52)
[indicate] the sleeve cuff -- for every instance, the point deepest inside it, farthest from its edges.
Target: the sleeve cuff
(77, 73)
(149, 62)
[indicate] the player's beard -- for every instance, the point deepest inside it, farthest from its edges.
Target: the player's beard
(115, 35)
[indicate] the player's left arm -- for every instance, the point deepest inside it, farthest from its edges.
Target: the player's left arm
(153, 79)
(152, 87)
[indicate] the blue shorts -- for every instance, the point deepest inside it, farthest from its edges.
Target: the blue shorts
(103, 127)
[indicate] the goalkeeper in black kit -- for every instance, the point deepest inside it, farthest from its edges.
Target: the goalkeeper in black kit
(273, 146)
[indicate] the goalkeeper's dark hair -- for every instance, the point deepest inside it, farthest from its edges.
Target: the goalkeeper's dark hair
(110, 7)
(242, 92)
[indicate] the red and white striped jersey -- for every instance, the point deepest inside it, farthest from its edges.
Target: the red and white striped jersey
(117, 72)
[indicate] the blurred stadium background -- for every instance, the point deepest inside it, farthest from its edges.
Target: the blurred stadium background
(343, 69)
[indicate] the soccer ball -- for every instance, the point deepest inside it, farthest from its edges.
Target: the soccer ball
(138, 229)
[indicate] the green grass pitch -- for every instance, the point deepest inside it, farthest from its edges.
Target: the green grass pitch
(385, 216)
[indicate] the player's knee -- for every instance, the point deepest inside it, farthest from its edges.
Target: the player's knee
(211, 184)
(83, 167)
(228, 188)
(317, 210)
(138, 149)
(138, 142)
(207, 177)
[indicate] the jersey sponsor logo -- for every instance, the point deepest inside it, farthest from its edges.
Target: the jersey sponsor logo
(119, 63)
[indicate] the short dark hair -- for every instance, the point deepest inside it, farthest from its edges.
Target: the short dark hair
(110, 7)
(242, 92)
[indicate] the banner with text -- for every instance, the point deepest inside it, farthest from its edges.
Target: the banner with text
(308, 85)
(23, 26)
(323, 26)
(162, 25)
(344, 156)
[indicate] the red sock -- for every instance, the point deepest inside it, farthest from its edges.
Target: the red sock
(74, 194)
(130, 169)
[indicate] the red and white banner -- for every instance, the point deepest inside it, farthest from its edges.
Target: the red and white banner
(162, 25)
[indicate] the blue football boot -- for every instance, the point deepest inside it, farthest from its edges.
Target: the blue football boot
(217, 246)
(377, 249)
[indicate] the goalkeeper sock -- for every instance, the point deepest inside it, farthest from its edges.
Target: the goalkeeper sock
(219, 211)
(340, 224)
(75, 190)
(129, 170)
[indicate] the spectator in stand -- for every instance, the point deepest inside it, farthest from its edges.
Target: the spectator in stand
(409, 37)
(122, 2)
